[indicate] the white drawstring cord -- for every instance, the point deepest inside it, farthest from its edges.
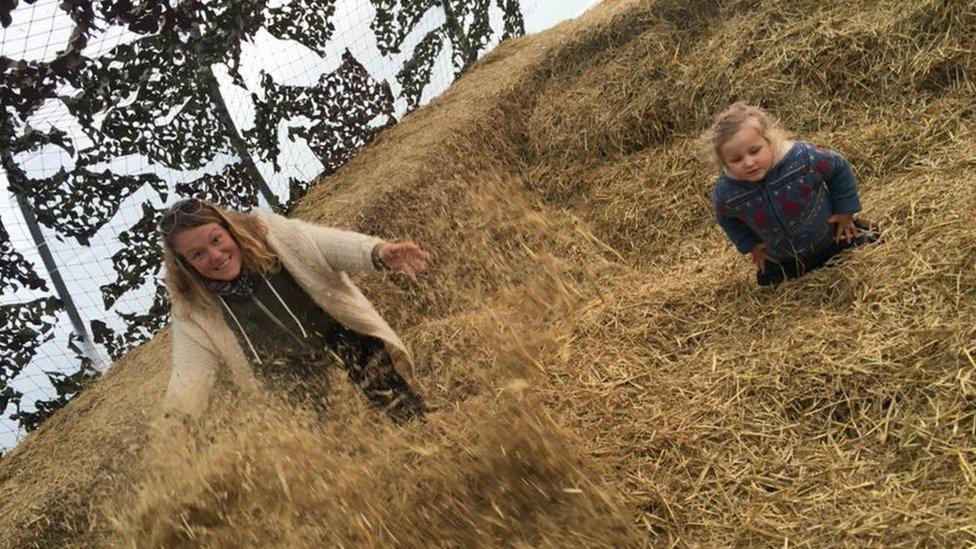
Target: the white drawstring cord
(285, 305)
(241, 328)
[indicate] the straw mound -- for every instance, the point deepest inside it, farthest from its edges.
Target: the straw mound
(605, 370)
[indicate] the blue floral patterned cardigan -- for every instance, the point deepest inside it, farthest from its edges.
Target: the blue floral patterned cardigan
(789, 208)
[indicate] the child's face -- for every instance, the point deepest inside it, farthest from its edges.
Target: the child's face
(748, 155)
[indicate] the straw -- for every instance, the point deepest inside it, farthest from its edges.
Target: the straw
(604, 368)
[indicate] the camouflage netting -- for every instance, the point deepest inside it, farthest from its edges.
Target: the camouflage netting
(122, 114)
(605, 370)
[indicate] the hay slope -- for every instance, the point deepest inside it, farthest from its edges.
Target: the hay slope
(605, 370)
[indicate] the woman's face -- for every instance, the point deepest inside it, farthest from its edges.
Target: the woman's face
(210, 250)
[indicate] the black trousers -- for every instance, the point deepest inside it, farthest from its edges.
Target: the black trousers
(302, 377)
(796, 267)
(371, 367)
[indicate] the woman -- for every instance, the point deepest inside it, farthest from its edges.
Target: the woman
(269, 298)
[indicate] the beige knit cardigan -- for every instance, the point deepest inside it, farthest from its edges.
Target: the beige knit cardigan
(318, 258)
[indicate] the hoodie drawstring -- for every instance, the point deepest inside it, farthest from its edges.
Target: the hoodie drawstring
(285, 305)
(241, 328)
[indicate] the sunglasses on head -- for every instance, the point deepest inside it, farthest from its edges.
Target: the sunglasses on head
(189, 206)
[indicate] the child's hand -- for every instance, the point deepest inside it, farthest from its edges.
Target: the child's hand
(760, 256)
(845, 226)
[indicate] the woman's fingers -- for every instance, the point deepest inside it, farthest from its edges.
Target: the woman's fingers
(415, 262)
(405, 257)
(408, 249)
(418, 259)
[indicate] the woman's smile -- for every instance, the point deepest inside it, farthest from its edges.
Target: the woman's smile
(211, 250)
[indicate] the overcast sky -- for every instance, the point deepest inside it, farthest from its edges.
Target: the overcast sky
(542, 14)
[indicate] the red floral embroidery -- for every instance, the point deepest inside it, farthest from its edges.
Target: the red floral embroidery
(823, 166)
(761, 217)
(806, 191)
(789, 207)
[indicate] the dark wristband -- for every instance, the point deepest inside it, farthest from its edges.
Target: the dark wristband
(377, 260)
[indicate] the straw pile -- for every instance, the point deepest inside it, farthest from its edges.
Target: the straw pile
(605, 370)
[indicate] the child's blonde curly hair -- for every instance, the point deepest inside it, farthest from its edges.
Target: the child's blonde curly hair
(728, 122)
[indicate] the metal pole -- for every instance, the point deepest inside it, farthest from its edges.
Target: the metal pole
(237, 142)
(88, 346)
(213, 88)
(15, 178)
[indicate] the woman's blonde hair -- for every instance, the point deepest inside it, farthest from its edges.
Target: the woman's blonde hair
(728, 122)
(184, 283)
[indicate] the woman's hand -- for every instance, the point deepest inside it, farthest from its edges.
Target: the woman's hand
(405, 257)
(760, 256)
(845, 226)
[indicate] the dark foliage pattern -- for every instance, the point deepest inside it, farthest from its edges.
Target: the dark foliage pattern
(395, 19)
(232, 187)
(139, 327)
(139, 258)
(26, 327)
(155, 103)
(153, 98)
(80, 202)
(513, 18)
(308, 22)
(466, 27)
(348, 108)
(416, 72)
(15, 271)
(66, 386)
(19, 342)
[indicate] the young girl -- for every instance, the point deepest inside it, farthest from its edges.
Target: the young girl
(789, 204)
(269, 298)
